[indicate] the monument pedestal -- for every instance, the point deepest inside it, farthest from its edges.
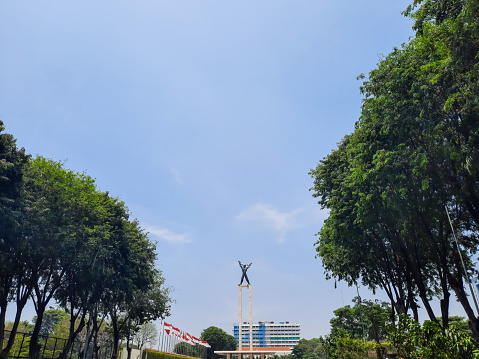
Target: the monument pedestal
(240, 322)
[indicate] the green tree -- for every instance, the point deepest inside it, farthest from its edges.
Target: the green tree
(431, 341)
(339, 344)
(367, 319)
(218, 339)
(23, 326)
(63, 220)
(62, 239)
(308, 349)
(460, 324)
(136, 294)
(413, 152)
(182, 349)
(12, 162)
(191, 350)
(51, 319)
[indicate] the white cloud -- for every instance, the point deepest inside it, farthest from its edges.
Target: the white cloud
(168, 235)
(270, 218)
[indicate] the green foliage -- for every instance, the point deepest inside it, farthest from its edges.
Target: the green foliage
(100, 261)
(413, 152)
(365, 320)
(52, 318)
(20, 346)
(431, 341)
(218, 339)
(186, 349)
(434, 10)
(63, 240)
(12, 163)
(340, 345)
(460, 324)
(23, 327)
(308, 349)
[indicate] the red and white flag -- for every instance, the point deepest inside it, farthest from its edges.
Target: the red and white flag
(176, 331)
(167, 327)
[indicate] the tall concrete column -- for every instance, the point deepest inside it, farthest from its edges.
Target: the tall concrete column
(240, 322)
(250, 319)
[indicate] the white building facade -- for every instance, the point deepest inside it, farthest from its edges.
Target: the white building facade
(269, 334)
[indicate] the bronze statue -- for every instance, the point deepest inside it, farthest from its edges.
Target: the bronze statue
(244, 268)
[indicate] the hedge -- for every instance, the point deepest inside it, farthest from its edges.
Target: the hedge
(155, 354)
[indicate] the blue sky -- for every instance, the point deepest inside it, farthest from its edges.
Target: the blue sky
(205, 117)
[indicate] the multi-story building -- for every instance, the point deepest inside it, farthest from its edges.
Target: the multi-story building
(269, 334)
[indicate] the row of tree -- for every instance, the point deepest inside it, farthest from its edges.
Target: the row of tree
(56, 326)
(414, 152)
(366, 327)
(356, 331)
(63, 240)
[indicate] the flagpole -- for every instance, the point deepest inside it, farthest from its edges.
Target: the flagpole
(174, 341)
(177, 340)
(167, 343)
(181, 347)
(162, 348)
(162, 328)
(167, 347)
(463, 266)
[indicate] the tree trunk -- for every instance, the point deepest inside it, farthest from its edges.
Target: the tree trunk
(417, 275)
(72, 337)
(23, 293)
(128, 346)
(34, 347)
(457, 286)
(116, 334)
(3, 313)
(43, 297)
(95, 331)
(445, 310)
(414, 310)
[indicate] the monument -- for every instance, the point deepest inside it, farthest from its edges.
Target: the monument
(251, 351)
(244, 268)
